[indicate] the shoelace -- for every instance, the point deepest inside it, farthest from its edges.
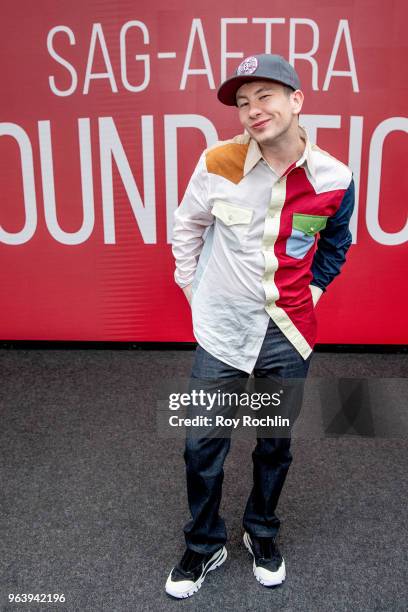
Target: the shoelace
(190, 560)
(267, 548)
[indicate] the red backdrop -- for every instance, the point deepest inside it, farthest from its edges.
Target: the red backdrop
(100, 132)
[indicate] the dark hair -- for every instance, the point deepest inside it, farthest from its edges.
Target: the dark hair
(288, 90)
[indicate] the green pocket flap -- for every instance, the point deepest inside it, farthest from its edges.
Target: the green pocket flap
(309, 224)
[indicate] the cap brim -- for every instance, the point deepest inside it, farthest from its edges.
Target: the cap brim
(228, 90)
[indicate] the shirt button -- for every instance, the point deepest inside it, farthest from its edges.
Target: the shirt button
(229, 217)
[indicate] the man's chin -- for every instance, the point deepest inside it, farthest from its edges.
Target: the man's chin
(264, 138)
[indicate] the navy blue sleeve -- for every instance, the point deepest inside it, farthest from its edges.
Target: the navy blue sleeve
(333, 243)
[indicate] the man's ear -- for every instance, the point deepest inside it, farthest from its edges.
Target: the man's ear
(297, 101)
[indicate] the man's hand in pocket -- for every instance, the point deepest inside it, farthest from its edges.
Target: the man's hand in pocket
(188, 292)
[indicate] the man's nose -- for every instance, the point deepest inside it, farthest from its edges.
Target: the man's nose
(254, 110)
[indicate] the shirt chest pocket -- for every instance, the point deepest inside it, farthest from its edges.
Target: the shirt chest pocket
(304, 230)
(234, 223)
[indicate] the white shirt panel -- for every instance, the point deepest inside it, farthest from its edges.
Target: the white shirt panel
(228, 305)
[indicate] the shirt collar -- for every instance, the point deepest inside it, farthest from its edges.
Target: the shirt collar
(254, 154)
(307, 158)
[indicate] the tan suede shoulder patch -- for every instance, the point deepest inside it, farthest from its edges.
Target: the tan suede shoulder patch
(228, 161)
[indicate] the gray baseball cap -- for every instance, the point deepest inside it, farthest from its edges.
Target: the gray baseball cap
(265, 67)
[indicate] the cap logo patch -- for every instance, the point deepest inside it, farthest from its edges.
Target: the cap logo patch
(247, 66)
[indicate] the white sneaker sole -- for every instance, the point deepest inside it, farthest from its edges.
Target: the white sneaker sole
(192, 587)
(264, 576)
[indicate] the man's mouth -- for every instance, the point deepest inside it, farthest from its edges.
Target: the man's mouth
(259, 124)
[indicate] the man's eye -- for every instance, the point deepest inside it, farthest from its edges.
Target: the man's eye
(265, 96)
(243, 104)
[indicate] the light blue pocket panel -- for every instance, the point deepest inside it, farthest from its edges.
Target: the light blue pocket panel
(304, 230)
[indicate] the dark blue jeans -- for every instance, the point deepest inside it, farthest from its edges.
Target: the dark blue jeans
(204, 456)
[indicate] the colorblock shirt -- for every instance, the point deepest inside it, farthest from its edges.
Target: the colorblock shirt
(253, 242)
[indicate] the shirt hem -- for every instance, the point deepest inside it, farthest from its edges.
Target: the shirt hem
(282, 320)
(222, 358)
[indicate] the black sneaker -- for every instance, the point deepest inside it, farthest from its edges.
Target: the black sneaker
(188, 576)
(269, 565)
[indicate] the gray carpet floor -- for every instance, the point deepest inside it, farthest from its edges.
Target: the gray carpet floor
(93, 501)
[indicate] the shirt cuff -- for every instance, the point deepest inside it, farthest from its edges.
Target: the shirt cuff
(316, 293)
(315, 283)
(182, 282)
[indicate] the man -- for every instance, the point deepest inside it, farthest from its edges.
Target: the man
(275, 212)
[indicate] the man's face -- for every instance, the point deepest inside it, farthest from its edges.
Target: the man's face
(267, 111)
